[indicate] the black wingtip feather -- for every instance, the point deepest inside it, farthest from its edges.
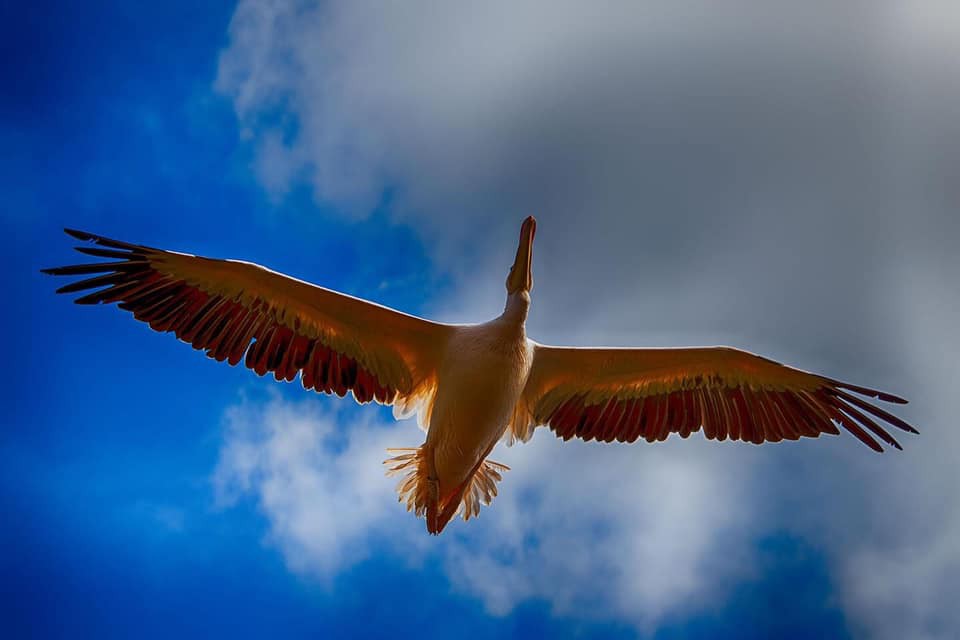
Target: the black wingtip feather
(106, 253)
(866, 391)
(96, 267)
(91, 283)
(889, 397)
(106, 242)
(79, 235)
(869, 424)
(900, 423)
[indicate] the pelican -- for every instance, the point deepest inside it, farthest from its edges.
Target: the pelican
(469, 385)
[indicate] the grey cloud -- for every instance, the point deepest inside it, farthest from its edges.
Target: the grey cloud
(780, 178)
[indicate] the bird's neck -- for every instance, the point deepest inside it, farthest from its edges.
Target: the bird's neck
(515, 311)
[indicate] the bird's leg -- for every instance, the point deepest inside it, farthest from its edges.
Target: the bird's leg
(433, 505)
(451, 506)
(453, 501)
(433, 494)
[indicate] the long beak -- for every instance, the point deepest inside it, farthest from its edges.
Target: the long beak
(521, 274)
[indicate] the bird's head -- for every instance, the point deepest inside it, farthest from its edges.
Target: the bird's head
(520, 277)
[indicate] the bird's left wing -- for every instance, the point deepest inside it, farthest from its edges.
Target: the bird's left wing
(239, 311)
(624, 394)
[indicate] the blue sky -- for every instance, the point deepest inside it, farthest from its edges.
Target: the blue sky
(393, 158)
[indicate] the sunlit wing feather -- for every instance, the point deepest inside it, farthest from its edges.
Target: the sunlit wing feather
(241, 312)
(612, 394)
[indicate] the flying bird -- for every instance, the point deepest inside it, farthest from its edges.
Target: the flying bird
(469, 385)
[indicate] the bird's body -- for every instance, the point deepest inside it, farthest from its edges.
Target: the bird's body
(482, 375)
(471, 385)
(481, 378)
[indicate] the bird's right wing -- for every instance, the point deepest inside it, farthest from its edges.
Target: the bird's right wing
(625, 394)
(238, 311)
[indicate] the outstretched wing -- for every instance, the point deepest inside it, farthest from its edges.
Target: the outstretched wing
(241, 312)
(626, 394)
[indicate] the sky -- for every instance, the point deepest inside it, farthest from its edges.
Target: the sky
(779, 177)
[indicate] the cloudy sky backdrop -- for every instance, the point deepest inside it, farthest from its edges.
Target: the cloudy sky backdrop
(772, 176)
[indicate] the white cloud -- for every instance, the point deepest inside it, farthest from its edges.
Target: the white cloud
(714, 174)
(585, 527)
(601, 530)
(316, 481)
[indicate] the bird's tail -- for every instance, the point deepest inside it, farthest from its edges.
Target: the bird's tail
(416, 488)
(419, 488)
